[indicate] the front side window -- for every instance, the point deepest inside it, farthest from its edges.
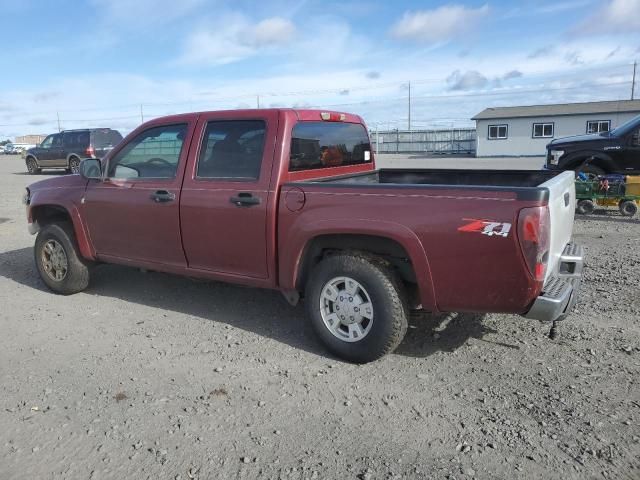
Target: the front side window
(322, 144)
(154, 153)
(542, 130)
(497, 132)
(46, 143)
(598, 126)
(57, 140)
(232, 149)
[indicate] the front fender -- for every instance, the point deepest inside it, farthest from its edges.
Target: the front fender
(61, 200)
(294, 247)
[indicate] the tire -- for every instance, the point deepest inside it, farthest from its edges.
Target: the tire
(56, 238)
(628, 208)
(585, 207)
(592, 171)
(32, 166)
(375, 333)
(74, 165)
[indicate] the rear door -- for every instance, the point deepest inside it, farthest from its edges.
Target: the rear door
(51, 150)
(226, 195)
(133, 214)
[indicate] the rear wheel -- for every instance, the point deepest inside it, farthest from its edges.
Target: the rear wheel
(585, 207)
(32, 166)
(357, 306)
(628, 208)
(59, 263)
(74, 165)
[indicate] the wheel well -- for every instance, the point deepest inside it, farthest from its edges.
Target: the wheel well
(382, 247)
(592, 159)
(46, 214)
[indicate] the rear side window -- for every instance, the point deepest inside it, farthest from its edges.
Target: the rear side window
(232, 149)
(324, 144)
(76, 139)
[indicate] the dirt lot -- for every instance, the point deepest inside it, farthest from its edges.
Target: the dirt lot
(147, 375)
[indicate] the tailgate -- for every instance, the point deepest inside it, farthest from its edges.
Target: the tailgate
(562, 204)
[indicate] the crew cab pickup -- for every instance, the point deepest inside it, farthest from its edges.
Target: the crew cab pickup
(291, 200)
(616, 151)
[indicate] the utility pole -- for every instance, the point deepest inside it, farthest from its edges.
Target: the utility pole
(409, 105)
(258, 101)
(633, 82)
(58, 115)
(141, 114)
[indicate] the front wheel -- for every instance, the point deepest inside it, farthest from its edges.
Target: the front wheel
(32, 166)
(591, 171)
(357, 306)
(59, 263)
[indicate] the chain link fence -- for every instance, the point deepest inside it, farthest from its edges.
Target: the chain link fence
(455, 141)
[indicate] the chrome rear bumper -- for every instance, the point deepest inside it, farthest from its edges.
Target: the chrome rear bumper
(560, 291)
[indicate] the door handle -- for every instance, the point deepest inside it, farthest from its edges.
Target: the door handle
(162, 196)
(245, 199)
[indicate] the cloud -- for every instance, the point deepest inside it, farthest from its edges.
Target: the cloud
(35, 122)
(573, 58)
(373, 75)
(235, 38)
(511, 75)
(470, 80)
(45, 96)
(615, 17)
(541, 52)
(438, 25)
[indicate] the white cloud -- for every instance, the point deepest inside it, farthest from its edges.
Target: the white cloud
(615, 17)
(440, 24)
(234, 38)
(470, 80)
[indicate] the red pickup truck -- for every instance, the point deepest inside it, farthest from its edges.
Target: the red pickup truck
(291, 200)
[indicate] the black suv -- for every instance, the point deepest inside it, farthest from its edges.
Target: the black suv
(67, 148)
(617, 151)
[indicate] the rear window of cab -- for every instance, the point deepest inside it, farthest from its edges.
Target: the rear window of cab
(317, 145)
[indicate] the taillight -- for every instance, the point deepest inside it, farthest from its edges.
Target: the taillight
(90, 151)
(534, 231)
(333, 117)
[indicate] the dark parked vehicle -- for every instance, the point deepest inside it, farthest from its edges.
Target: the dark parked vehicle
(617, 151)
(67, 148)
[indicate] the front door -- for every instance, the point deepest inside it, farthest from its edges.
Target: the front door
(133, 213)
(630, 161)
(50, 150)
(226, 196)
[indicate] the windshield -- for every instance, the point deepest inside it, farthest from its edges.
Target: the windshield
(626, 127)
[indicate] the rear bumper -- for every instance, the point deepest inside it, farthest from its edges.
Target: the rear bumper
(560, 291)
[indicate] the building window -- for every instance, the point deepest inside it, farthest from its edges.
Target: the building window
(598, 126)
(542, 130)
(497, 132)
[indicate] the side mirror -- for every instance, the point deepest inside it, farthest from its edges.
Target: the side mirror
(91, 168)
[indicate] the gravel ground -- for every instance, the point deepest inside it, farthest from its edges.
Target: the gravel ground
(148, 375)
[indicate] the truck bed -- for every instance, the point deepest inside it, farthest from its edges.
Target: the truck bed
(470, 272)
(503, 179)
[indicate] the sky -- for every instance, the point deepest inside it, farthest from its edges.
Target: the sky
(114, 63)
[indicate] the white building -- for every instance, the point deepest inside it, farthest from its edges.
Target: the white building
(525, 131)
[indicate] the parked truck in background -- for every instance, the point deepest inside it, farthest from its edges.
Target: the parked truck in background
(291, 200)
(616, 151)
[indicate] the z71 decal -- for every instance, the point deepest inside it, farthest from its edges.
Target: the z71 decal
(486, 227)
